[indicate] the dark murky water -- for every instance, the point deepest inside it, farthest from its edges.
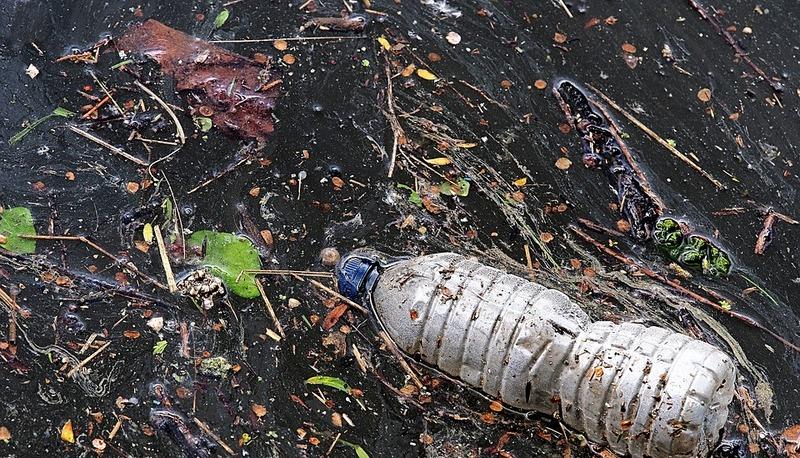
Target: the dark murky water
(331, 108)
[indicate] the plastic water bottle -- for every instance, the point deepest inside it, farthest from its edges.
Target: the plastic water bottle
(639, 390)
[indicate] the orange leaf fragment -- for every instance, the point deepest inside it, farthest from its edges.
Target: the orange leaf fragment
(259, 410)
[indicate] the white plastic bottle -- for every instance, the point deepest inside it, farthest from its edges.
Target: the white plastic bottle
(642, 391)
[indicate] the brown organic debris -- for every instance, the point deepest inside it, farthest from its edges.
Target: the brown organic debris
(226, 83)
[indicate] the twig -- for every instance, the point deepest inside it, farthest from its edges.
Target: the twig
(269, 40)
(657, 138)
(96, 107)
(218, 175)
(178, 127)
(333, 444)
(397, 129)
(660, 278)
(110, 147)
(564, 7)
(483, 94)
(336, 294)
(107, 92)
(162, 250)
(776, 86)
(87, 359)
(765, 236)
(128, 264)
(302, 273)
(401, 359)
(270, 310)
(598, 228)
(208, 431)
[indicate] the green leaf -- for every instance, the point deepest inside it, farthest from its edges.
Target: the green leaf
(227, 255)
(449, 189)
(63, 112)
(360, 452)
(159, 347)
(414, 197)
(333, 382)
(120, 64)
(203, 123)
(221, 18)
(15, 222)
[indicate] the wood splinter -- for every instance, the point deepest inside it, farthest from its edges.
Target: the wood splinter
(765, 236)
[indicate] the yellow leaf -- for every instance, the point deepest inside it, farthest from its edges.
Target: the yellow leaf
(466, 145)
(439, 161)
(147, 232)
(521, 182)
(425, 74)
(66, 433)
(384, 42)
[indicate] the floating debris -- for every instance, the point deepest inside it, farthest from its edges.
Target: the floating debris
(690, 250)
(603, 150)
(238, 90)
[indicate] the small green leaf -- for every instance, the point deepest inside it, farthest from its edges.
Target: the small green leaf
(333, 382)
(120, 64)
(360, 452)
(221, 18)
(159, 347)
(415, 198)
(227, 255)
(167, 207)
(203, 123)
(63, 112)
(14, 223)
(448, 189)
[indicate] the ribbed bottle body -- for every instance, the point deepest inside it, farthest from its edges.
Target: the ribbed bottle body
(642, 390)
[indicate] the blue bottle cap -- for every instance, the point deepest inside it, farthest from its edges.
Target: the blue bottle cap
(355, 274)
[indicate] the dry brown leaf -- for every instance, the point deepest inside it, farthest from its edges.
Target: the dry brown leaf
(259, 410)
(563, 163)
(408, 70)
(546, 237)
(439, 161)
(629, 48)
(5, 434)
(559, 38)
(289, 59)
(280, 45)
(540, 84)
(333, 316)
(131, 334)
(496, 406)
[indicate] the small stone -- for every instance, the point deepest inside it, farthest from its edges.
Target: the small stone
(747, 30)
(156, 323)
(453, 38)
(293, 303)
